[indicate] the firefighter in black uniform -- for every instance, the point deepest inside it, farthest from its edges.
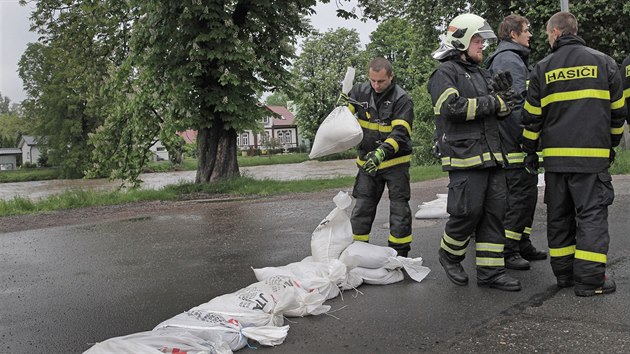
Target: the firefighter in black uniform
(575, 105)
(522, 191)
(625, 73)
(385, 112)
(467, 104)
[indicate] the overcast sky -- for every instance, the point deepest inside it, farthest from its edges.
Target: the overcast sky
(14, 35)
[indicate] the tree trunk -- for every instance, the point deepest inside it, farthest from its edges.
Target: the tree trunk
(217, 153)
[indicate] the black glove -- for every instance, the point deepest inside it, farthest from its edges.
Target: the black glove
(612, 155)
(531, 163)
(503, 94)
(502, 81)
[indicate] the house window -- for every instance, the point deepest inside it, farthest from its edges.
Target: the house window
(287, 136)
(238, 140)
(280, 136)
(266, 120)
(245, 139)
(161, 148)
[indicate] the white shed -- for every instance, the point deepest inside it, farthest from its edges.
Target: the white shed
(30, 151)
(8, 158)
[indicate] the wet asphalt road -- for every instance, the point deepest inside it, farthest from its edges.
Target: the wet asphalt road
(64, 288)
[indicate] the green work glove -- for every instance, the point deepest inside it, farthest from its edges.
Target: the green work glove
(373, 160)
(343, 100)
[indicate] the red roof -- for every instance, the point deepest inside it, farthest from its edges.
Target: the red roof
(190, 136)
(286, 118)
(281, 118)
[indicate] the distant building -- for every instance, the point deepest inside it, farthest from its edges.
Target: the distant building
(8, 158)
(159, 151)
(29, 148)
(279, 125)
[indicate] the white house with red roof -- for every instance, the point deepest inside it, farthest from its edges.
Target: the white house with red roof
(280, 125)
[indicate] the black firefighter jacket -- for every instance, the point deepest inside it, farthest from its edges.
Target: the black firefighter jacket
(466, 125)
(575, 106)
(625, 73)
(386, 119)
(512, 57)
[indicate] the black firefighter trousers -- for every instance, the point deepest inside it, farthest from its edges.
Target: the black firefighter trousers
(522, 195)
(476, 206)
(577, 224)
(368, 191)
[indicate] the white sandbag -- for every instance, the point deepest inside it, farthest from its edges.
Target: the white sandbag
(379, 276)
(260, 304)
(228, 329)
(172, 340)
(366, 255)
(435, 209)
(339, 132)
(348, 80)
(334, 233)
(323, 277)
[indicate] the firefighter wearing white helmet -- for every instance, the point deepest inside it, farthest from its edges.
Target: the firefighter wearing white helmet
(468, 103)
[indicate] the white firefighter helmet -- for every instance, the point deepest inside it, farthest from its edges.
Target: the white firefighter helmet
(463, 27)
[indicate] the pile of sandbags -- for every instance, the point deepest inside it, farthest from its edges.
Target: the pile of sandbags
(256, 313)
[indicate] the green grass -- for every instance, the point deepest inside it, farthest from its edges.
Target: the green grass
(238, 187)
(28, 174)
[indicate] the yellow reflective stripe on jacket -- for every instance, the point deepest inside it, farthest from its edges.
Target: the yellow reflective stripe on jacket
(516, 157)
(497, 156)
(438, 105)
(472, 109)
(530, 134)
(375, 126)
(561, 252)
(352, 109)
(616, 131)
(453, 241)
(404, 123)
(618, 103)
(400, 240)
(452, 251)
(489, 247)
(393, 143)
(576, 152)
(531, 109)
(574, 95)
(455, 162)
(388, 163)
(590, 256)
(513, 235)
(361, 237)
(490, 262)
(527, 231)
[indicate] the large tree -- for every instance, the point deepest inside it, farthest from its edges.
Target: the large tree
(318, 72)
(64, 72)
(197, 65)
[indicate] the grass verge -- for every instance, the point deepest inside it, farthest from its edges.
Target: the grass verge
(242, 186)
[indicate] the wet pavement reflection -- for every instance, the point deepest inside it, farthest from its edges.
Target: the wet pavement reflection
(309, 169)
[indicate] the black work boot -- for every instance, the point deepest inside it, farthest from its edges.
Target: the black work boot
(501, 282)
(529, 252)
(564, 281)
(515, 261)
(589, 290)
(454, 270)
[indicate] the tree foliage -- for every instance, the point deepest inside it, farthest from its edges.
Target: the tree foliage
(318, 72)
(11, 123)
(125, 72)
(63, 74)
